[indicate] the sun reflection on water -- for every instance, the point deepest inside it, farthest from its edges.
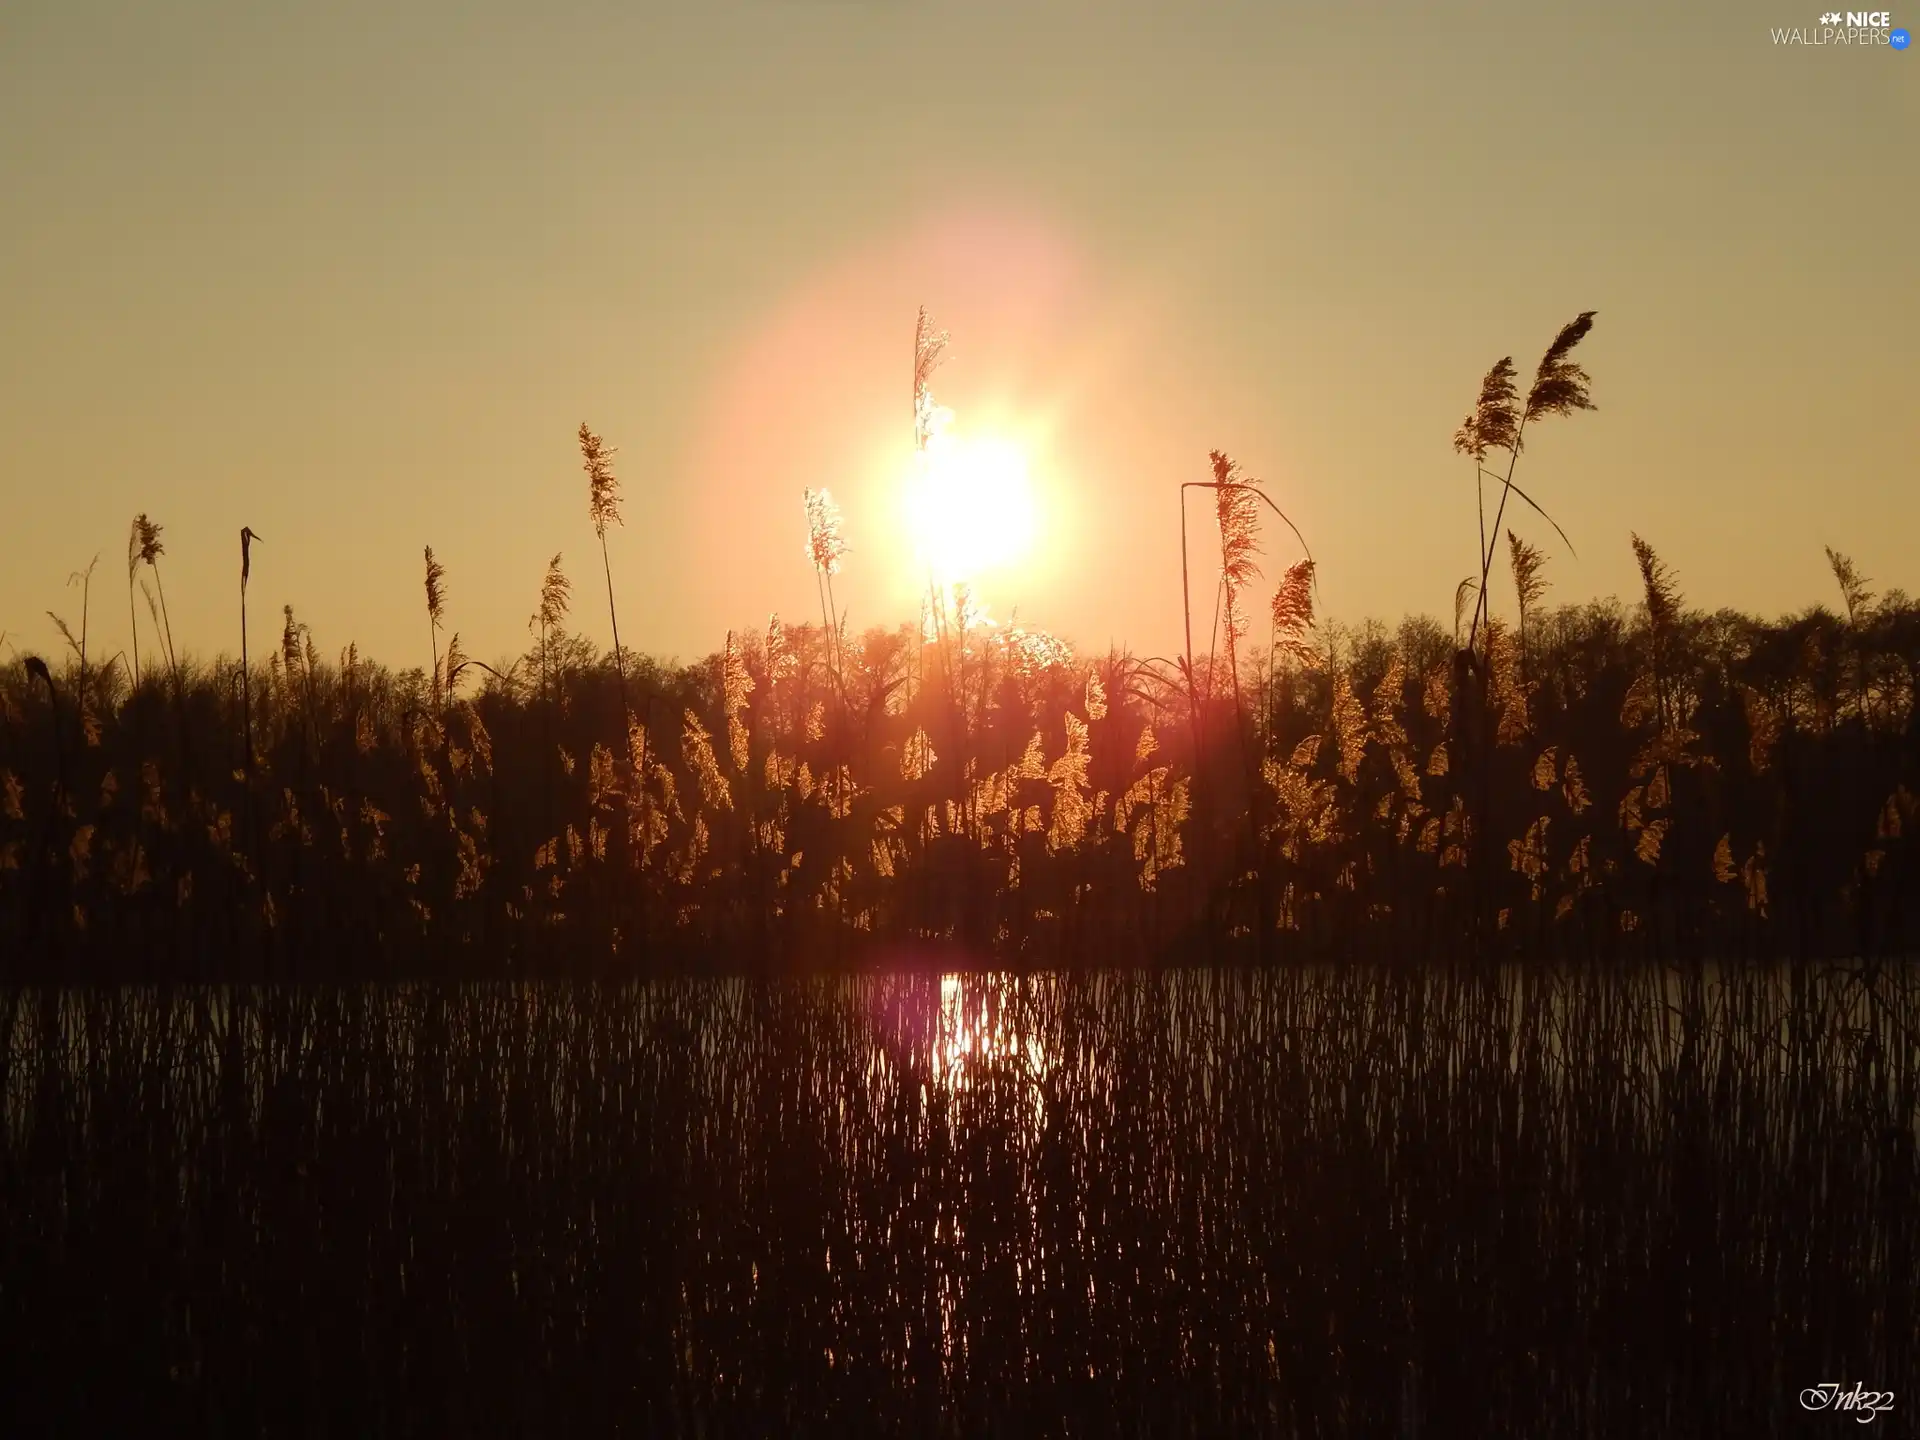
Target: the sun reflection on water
(978, 1033)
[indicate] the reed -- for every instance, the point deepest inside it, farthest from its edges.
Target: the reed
(826, 545)
(151, 548)
(133, 619)
(603, 508)
(247, 540)
(1621, 792)
(1560, 387)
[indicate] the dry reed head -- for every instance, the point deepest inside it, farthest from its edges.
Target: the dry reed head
(247, 537)
(1293, 611)
(1238, 513)
(1559, 385)
(436, 588)
(696, 749)
(555, 591)
(603, 490)
(825, 545)
(290, 639)
(781, 661)
(1853, 586)
(1506, 691)
(1663, 595)
(735, 686)
(147, 535)
(1464, 595)
(929, 345)
(66, 632)
(1492, 423)
(1094, 697)
(1528, 582)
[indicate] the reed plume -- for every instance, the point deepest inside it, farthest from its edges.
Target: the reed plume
(929, 348)
(1663, 621)
(929, 419)
(824, 543)
(1529, 584)
(1467, 592)
(1859, 602)
(1236, 511)
(151, 549)
(1560, 384)
(1853, 586)
(1236, 507)
(603, 486)
(1662, 593)
(1559, 388)
(436, 608)
(1492, 424)
(825, 546)
(603, 508)
(556, 593)
(456, 662)
(736, 685)
(1292, 613)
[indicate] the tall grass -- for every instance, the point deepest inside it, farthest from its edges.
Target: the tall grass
(1559, 388)
(603, 508)
(247, 539)
(151, 548)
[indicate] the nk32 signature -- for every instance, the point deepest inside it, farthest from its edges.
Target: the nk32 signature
(1861, 1403)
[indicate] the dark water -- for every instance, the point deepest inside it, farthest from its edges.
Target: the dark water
(1179, 1203)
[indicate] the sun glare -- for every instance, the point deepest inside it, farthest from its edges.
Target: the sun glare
(970, 507)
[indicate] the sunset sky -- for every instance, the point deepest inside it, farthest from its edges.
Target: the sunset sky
(354, 274)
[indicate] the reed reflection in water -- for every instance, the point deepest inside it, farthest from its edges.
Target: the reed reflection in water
(1281, 1202)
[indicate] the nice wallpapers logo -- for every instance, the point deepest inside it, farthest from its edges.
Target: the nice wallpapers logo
(1850, 29)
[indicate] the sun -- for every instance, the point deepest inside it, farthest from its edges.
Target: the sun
(970, 507)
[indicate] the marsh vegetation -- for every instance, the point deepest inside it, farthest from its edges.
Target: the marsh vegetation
(1588, 780)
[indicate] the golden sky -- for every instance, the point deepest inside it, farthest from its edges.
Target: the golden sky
(354, 274)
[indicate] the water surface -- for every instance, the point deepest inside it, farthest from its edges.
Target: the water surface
(1285, 1202)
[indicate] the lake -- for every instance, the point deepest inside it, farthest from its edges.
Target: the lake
(1188, 1202)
